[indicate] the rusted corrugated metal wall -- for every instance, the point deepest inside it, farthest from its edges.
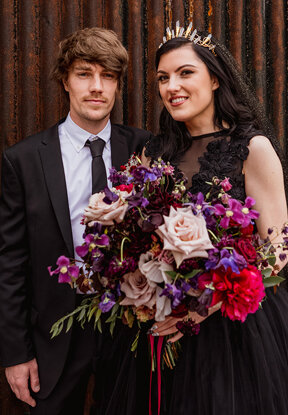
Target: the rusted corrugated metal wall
(254, 30)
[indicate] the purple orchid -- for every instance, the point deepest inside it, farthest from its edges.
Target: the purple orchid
(107, 302)
(233, 211)
(248, 213)
(65, 270)
(91, 244)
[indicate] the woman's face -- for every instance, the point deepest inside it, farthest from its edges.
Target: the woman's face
(186, 87)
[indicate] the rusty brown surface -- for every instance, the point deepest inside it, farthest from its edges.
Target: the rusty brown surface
(254, 30)
(236, 29)
(279, 68)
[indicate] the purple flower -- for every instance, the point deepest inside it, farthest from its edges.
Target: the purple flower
(213, 258)
(175, 294)
(227, 260)
(232, 212)
(118, 268)
(98, 258)
(282, 257)
(91, 244)
(117, 178)
(284, 230)
(110, 197)
(137, 200)
(107, 302)
(65, 270)
(248, 213)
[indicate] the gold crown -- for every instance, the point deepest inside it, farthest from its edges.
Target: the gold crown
(194, 37)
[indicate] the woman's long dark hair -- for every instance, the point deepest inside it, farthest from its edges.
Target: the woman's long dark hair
(234, 102)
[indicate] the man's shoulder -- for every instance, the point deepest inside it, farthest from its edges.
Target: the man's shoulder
(32, 142)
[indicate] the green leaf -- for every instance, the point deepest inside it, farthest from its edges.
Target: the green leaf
(81, 314)
(271, 281)
(112, 326)
(69, 323)
(272, 260)
(172, 274)
(192, 273)
(99, 325)
(92, 312)
(266, 272)
(98, 314)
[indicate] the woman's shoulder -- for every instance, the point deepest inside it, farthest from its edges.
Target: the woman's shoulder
(262, 154)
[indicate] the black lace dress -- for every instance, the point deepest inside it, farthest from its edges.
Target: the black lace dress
(230, 368)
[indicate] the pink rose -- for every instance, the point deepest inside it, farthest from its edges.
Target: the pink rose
(185, 234)
(99, 211)
(155, 272)
(138, 290)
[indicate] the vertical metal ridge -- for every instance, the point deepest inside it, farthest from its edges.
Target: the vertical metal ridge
(236, 22)
(278, 64)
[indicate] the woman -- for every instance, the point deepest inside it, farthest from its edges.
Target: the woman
(212, 126)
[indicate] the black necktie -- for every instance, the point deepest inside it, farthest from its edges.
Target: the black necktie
(99, 177)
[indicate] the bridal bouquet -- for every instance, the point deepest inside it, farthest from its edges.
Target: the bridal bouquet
(152, 249)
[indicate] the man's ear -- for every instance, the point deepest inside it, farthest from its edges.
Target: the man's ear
(215, 82)
(65, 84)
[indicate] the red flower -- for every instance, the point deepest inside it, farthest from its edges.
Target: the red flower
(203, 280)
(240, 293)
(245, 248)
(125, 187)
(180, 311)
(248, 230)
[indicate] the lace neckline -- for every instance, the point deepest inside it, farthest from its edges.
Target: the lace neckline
(225, 131)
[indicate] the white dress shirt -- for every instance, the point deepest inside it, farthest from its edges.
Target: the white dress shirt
(77, 161)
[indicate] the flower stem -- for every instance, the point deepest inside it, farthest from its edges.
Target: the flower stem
(122, 247)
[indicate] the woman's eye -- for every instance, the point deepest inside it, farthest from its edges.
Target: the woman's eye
(162, 78)
(186, 72)
(82, 74)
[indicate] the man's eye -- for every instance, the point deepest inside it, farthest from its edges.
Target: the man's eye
(82, 74)
(109, 75)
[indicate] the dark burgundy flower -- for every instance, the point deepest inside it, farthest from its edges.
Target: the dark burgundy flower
(245, 247)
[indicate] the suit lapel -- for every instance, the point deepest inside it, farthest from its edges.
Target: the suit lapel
(119, 148)
(50, 154)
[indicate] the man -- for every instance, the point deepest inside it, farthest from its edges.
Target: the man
(46, 184)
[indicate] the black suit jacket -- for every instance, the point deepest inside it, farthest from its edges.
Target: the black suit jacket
(35, 229)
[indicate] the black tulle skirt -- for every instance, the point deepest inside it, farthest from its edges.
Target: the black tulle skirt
(230, 368)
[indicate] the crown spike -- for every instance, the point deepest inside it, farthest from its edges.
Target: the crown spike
(194, 37)
(188, 30)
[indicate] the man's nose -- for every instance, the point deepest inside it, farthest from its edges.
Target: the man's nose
(96, 83)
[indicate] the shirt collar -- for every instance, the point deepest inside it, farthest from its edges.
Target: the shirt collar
(78, 137)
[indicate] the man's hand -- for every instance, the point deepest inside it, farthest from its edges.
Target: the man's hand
(18, 377)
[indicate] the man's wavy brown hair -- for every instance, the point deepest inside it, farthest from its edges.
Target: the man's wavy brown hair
(94, 45)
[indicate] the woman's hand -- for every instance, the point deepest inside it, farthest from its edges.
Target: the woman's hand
(168, 326)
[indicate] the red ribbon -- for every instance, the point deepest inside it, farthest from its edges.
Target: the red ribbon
(158, 356)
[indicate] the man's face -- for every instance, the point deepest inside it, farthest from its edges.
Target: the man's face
(92, 91)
